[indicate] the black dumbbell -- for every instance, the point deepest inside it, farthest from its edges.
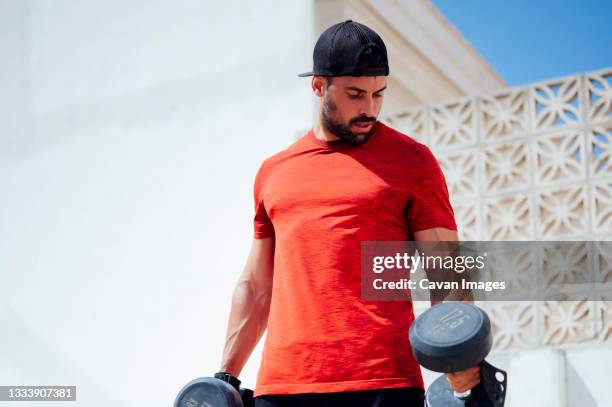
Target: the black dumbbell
(214, 392)
(451, 337)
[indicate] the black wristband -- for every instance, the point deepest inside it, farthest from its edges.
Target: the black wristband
(227, 377)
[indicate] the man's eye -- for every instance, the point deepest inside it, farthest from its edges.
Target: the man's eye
(354, 96)
(377, 95)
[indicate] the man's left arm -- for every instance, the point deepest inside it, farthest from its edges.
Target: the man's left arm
(467, 379)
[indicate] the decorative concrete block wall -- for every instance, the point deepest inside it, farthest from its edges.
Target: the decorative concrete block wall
(531, 163)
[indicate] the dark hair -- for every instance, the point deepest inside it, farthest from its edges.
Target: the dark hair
(330, 80)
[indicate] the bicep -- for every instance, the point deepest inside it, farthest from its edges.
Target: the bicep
(429, 206)
(436, 234)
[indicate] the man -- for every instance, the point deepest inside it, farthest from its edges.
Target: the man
(347, 180)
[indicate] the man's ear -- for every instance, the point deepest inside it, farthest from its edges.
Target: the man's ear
(319, 84)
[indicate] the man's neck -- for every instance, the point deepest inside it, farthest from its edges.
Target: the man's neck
(321, 133)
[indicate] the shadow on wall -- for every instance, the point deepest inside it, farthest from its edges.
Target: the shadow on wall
(578, 393)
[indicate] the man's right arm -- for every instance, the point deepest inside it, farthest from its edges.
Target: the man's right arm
(250, 306)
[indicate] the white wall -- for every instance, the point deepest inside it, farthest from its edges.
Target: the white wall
(130, 134)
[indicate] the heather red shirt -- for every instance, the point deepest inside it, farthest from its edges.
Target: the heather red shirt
(320, 200)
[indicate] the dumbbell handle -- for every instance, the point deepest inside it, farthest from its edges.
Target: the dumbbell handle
(227, 377)
(463, 395)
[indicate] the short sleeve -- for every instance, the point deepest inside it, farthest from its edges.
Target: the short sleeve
(429, 205)
(262, 224)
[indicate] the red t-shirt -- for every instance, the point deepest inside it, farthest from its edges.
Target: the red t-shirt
(320, 199)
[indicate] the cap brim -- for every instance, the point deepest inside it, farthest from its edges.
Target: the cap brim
(306, 74)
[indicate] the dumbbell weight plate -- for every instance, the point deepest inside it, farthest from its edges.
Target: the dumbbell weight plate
(451, 336)
(208, 392)
(440, 394)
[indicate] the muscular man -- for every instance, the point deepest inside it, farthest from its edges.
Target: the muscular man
(349, 179)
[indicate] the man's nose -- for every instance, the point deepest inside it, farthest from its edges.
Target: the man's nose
(367, 107)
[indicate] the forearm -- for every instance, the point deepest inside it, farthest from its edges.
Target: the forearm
(457, 295)
(425, 240)
(247, 322)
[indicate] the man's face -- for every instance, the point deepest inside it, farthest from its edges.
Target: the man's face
(350, 106)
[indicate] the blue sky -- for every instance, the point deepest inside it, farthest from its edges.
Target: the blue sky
(529, 41)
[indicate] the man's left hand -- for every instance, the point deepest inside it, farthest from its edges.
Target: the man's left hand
(464, 380)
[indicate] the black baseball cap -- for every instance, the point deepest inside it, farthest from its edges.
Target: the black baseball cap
(349, 49)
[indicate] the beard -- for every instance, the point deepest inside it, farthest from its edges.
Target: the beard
(339, 129)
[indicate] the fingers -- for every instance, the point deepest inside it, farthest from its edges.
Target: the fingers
(464, 380)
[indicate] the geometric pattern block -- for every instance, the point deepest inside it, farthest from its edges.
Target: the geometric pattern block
(559, 157)
(412, 123)
(555, 104)
(601, 206)
(504, 115)
(562, 212)
(514, 324)
(605, 320)
(506, 167)
(599, 139)
(508, 218)
(565, 264)
(468, 220)
(519, 266)
(453, 125)
(603, 263)
(568, 322)
(599, 96)
(460, 172)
